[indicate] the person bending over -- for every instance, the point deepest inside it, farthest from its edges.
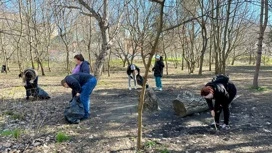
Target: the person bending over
(223, 96)
(131, 72)
(82, 85)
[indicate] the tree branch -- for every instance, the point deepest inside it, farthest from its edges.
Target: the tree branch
(92, 11)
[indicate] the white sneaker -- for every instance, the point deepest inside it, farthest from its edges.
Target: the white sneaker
(156, 88)
(135, 87)
(160, 89)
(129, 88)
(225, 127)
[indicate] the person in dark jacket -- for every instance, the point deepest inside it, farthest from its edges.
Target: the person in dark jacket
(81, 65)
(158, 72)
(30, 78)
(82, 85)
(223, 96)
(132, 69)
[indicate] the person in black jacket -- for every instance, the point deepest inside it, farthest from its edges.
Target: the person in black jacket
(82, 85)
(223, 95)
(131, 72)
(158, 72)
(30, 78)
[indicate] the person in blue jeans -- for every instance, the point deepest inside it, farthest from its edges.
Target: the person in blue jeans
(158, 72)
(82, 85)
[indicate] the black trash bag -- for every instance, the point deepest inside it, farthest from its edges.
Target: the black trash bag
(42, 94)
(140, 80)
(36, 92)
(75, 111)
(4, 69)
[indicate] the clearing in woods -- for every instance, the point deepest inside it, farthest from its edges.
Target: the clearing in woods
(39, 126)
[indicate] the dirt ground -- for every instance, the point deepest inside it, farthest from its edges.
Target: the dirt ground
(112, 127)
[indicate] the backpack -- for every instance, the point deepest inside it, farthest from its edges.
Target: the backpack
(75, 111)
(221, 78)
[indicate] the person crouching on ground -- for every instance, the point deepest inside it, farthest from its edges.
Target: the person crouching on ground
(131, 72)
(81, 65)
(82, 85)
(30, 78)
(158, 72)
(223, 96)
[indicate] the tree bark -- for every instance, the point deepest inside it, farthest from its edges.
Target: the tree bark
(109, 64)
(263, 24)
(153, 51)
(187, 103)
(204, 39)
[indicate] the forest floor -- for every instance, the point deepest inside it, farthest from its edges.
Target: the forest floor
(39, 126)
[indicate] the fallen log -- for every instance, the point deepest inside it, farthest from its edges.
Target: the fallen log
(188, 103)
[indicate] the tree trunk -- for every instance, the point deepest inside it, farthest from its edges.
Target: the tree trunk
(67, 59)
(187, 103)
(141, 101)
(41, 65)
(183, 48)
(204, 43)
(165, 55)
(109, 64)
(105, 46)
(166, 62)
(210, 54)
(263, 24)
(89, 44)
(18, 48)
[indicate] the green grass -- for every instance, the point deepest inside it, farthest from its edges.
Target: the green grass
(260, 89)
(155, 146)
(14, 133)
(13, 115)
(150, 144)
(164, 151)
(62, 137)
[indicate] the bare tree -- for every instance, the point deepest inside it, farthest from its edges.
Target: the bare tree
(263, 24)
(153, 51)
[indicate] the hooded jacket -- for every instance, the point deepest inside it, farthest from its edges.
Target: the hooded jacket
(158, 68)
(85, 67)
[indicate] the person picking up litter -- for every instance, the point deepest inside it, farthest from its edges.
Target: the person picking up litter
(223, 92)
(131, 72)
(82, 85)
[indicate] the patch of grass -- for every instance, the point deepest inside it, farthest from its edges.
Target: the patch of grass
(14, 133)
(164, 151)
(101, 83)
(8, 113)
(62, 137)
(6, 133)
(13, 115)
(150, 144)
(260, 89)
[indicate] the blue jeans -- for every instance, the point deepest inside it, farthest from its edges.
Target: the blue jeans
(86, 91)
(158, 82)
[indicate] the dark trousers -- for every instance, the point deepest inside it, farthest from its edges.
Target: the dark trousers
(223, 104)
(31, 88)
